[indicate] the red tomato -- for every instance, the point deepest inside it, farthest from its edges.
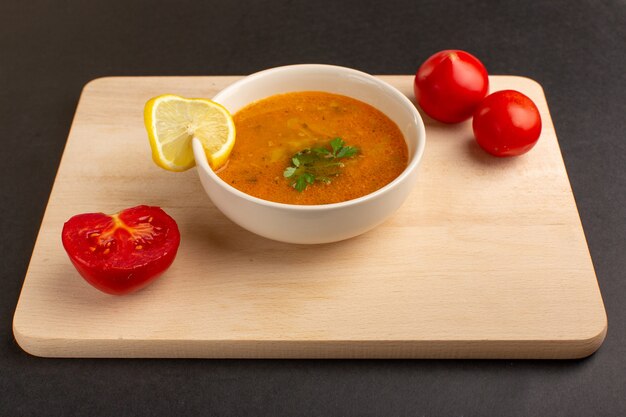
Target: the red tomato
(507, 123)
(123, 252)
(450, 84)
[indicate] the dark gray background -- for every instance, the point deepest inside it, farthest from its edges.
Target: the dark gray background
(50, 49)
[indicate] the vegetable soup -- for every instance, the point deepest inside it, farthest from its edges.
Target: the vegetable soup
(313, 148)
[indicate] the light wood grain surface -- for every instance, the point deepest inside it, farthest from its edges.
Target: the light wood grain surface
(486, 259)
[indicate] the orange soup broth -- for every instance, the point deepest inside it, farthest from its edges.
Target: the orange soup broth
(270, 131)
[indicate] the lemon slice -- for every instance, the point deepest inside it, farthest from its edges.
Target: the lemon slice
(173, 121)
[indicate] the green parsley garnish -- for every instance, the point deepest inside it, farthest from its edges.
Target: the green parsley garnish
(318, 164)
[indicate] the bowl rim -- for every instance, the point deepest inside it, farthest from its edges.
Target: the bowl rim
(202, 162)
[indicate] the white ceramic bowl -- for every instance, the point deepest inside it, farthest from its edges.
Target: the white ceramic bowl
(316, 223)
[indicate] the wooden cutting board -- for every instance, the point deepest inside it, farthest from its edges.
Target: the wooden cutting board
(486, 259)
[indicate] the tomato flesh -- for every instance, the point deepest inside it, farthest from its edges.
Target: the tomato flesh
(123, 252)
(507, 123)
(450, 85)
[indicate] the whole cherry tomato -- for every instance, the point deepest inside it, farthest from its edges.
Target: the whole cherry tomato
(507, 123)
(450, 84)
(122, 252)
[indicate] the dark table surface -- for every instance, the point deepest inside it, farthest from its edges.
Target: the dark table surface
(50, 49)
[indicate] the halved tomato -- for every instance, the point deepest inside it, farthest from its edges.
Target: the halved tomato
(123, 252)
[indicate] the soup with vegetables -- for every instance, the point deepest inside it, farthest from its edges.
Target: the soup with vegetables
(313, 148)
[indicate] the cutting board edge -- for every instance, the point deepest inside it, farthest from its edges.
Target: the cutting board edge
(42, 346)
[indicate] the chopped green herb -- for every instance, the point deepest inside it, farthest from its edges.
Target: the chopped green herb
(318, 164)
